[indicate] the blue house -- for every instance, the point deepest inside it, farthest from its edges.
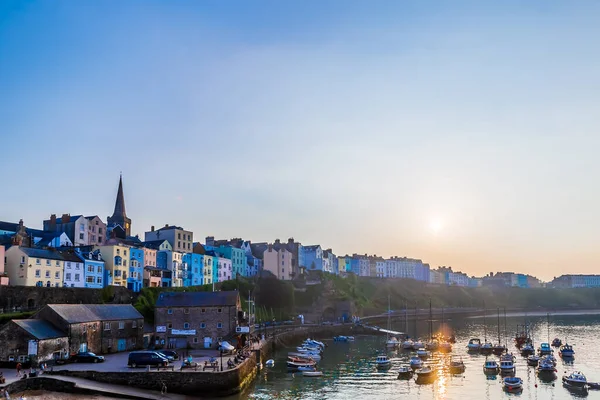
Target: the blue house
(195, 264)
(354, 266)
(313, 258)
(237, 257)
(93, 265)
(135, 277)
(161, 262)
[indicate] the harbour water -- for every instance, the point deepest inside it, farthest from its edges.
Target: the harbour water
(349, 370)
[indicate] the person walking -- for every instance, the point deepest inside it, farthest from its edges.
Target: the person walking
(19, 366)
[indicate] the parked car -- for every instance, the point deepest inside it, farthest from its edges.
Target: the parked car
(169, 358)
(225, 347)
(86, 357)
(170, 353)
(139, 358)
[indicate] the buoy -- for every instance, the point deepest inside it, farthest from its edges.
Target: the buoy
(536, 385)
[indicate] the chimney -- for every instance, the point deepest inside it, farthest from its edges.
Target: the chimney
(21, 227)
(152, 228)
(290, 240)
(277, 241)
(166, 225)
(52, 222)
(66, 218)
(210, 241)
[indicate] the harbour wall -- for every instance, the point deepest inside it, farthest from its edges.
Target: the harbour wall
(57, 385)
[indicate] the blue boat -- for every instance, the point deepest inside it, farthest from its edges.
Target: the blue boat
(544, 349)
(566, 351)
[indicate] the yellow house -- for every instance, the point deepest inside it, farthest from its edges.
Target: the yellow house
(27, 266)
(208, 269)
(116, 262)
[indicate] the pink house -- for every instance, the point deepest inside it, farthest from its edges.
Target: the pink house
(152, 275)
(3, 276)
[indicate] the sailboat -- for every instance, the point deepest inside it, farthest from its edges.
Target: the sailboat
(417, 344)
(499, 348)
(392, 342)
(407, 344)
(445, 345)
(486, 348)
(433, 344)
(545, 348)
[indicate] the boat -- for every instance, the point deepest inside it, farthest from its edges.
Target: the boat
(566, 351)
(498, 348)
(512, 384)
(491, 367)
(550, 358)
(521, 337)
(575, 380)
(418, 345)
(422, 353)
(527, 350)
(392, 343)
(508, 357)
(445, 347)
(432, 345)
(312, 373)
(457, 366)
(544, 349)
(416, 362)
(533, 360)
(340, 339)
(294, 365)
(405, 372)
(486, 348)
(407, 344)
(556, 342)
(507, 367)
(270, 363)
(307, 368)
(305, 356)
(383, 362)
(546, 366)
(474, 345)
(303, 349)
(425, 374)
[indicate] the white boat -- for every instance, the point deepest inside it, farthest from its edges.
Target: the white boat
(425, 374)
(474, 345)
(407, 344)
(544, 349)
(302, 349)
(422, 353)
(405, 372)
(491, 367)
(392, 343)
(507, 367)
(575, 380)
(383, 362)
(512, 384)
(270, 363)
(312, 373)
(307, 368)
(350, 338)
(315, 343)
(305, 356)
(457, 366)
(416, 362)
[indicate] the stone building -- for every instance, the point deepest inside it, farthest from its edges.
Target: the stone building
(32, 337)
(196, 319)
(100, 328)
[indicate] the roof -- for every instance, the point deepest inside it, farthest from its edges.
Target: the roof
(8, 226)
(169, 227)
(71, 256)
(39, 328)
(120, 201)
(41, 253)
(153, 244)
(196, 299)
(76, 313)
(312, 247)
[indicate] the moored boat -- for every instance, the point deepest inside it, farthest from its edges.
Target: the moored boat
(383, 362)
(305, 356)
(416, 362)
(491, 367)
(422, 353)
(407, 344)
(544, 349)
(445, 347)
(498, 349)
(512, 384)
(507, 367)
(486, 348)
(392, 343)
(575, 380)
(527, 349)
(457, 366)
(417, 345)
(556, 342)
(533, 360)
(566, 351)
(546, 366)
(312, 373)
(405, 372)
(425, 375)
(474, 345)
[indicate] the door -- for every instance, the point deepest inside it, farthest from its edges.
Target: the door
(122, 345)
(83, 348)
(207, 342)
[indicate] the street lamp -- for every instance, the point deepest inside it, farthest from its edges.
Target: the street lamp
(221, 350)
(273, 327)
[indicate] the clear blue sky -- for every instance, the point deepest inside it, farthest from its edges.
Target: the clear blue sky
(465, 133)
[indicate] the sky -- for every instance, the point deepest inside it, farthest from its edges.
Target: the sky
(463, 133)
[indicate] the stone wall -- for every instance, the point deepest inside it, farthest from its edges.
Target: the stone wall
(32, 298)
(188, 383)
(57, 385)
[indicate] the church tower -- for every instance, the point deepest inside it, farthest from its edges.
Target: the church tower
(119, 216)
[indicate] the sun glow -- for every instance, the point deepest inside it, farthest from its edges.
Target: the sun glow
(436, 225)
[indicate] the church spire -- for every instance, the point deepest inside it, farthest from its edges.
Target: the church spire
(120, 202)
(119, 217)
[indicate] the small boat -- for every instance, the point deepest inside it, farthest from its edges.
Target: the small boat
(312, 373)
(544, 349)
(307, 368)
(486, 348)
(392, 343)
(425, 374)
(415, 363)
(575, 380)
(350, 338)
(507, 367)
(512, 384)
(550, 358)
(546, 366)
(527, 349)
(593, 385)
(433, 345)
(422, 353)
(305, 356)
(457, 366)
(417, 345)
(407, 344)
(556, 342)
(508, 357)
(491, 367)
(566, 351)
(270, 363)
(340, 338)
(498, 349)
(383, 362)
(474, 345)
(405, 372)
(445, 347)
(533, 360)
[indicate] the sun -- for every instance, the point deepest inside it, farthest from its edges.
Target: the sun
(436, 225)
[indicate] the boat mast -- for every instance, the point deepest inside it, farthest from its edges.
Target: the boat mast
(406, 318)
(548, 323)
(499, 342)
(443, 327)
(505, 336)
(416, 320)
(430, 323)
(484, 326)
(388, 313)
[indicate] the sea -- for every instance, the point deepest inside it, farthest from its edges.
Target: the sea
(349, 370)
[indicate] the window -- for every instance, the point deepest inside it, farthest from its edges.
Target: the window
(57, 263)
(57, 275)
(134, 324)
(219, 310)
(90, 268)
(100, 231)
(124, 252)
(99, 269)
(76, 277)
(94, 229)
(195, 340)
(178, 244)
(202, 325)
(37, 273)
(118, 251)
(107, 326)
(99, 280)
(109, 342)
(121, 325)
(94, 238)
(77, 265)
(81, 228)
(186, 310)
(204, 310)
(188, 246)
(179, 236)
(81, 236)
(219, 325)
(169, 311)
(47, 262)
(89, 279)
(23, 358)
(189, 237)
(186, 325)
(47, 274)
(169, 325)
(37, 261)
(68, 276)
